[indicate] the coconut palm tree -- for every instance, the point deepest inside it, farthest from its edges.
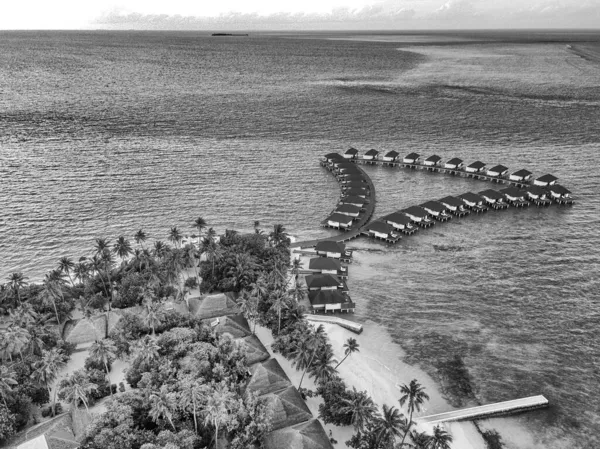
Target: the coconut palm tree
(140, 238)
(154, 315)
(248, 306)
(257, 229)
(420, 440)
(108, 262)
(7, 382)
(218, 408)
(122, 248)
(241, 270)
(279, 237)
(47, 368)
(50, 293)
(81, 270)
(39, 329)
(101, 245)
(104, 351)
(76, 388)
(162, 404)
(351, 346)
(191, 395)
(280, 302)
(440, 439)
(16, 339)
(175, 236)
(160, 249)
(389, 426)
(17, 281)
(147, 349)
(212, 250)
(322, 367)
(96, 265)
(362, 408)
(200, 224)
(314, 341)
(414, 396)
(66, 265)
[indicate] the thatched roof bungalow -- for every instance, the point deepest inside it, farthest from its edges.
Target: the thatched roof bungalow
(308, 435)
(254, 349)
(287, 408)
(213, 306)
(267, 377)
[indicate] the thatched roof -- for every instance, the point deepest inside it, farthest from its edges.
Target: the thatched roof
(268, 377)
(56, 433)
(84, 330)
(213, 306)
(235, 325)
(287, 408)
(308, 435)
(255, 350)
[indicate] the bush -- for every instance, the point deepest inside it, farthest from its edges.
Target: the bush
(93, 364)
(191, 282)
(130, 291)
(7, 423)
(121, 387)
(99, 378)
(492, 439)
(67, 348)
(47, 410)
(334, 393)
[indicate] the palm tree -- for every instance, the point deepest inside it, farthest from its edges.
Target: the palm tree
(200, 224)
(241, 271)
(147, 349)
(46, 370)
(66, 265)
(140, 238)
(81, 271)
(17, 281)
(212, 250)
(104, 351)
(440, 439)
(160, 249)
(191, 395)
(362, 408)
(295, 267)
(257, 227)
(278, 237)
(16, 339)
(40, 329)
(314, 342)
(322, 368)
(101, 245)
(122, 248)
(414, 396)
(7, 381)
(420, 440)
(175, 236)
(154, 315)
(389, 426)
(351, 346)
(279, 303)
(76, 388)
(218, 408)
(162, 405)
(248, 306)
(52, 289)
(96, 265)
(108, 262)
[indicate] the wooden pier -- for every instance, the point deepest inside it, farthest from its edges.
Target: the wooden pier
(346, 324)
(487, 411)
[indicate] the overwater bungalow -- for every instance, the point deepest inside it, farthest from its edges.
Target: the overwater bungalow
(330, 300)
(381, 230)
(333, 157)
(357, 191)
(391, 156)
(400, 222)
(412, 158)
(475, 167)
(353, 177)
(339, 221)
(348, 209)
(326, 265)
(493, 198)
(515, 196)
(436, 210)
(371, 155)
(351, 153)
(335, 250)
(454, 164)
(558, 192)
(537, 195)
(455, 205)
(546, 180)
(348, 168)
(497, 171)
(418, 215)
(432, 161)
(521, 176)
(354, 201)
(473, 201)
(323, 282)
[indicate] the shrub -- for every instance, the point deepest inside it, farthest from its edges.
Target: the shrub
(333, 393)
(98, 377)
(7, 423)
(121, 387)
(191, 282)
(93, 364)
(47, 410)
(130, 291)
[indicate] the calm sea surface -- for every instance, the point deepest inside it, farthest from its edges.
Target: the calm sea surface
(105, 133)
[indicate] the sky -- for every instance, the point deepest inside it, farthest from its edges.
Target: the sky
(298, 15)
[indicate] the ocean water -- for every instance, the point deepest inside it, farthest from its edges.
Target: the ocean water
(103, 133)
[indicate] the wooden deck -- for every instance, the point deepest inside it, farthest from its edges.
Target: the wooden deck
(486, 411)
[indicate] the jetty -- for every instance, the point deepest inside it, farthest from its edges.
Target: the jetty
(488, 411)
(346, 324)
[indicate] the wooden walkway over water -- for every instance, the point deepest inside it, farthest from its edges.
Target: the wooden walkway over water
(487, 411)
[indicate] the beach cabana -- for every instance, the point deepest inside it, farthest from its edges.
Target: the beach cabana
(497, 171)
(323, 282)
(331, 249)
(308, 435)
(348, 209)
(515, 196)
(473, 201)
(521, 175)
(400, 222)
(326, 265)
(267, 377)
(391, 156)
(454, 164)
(546, 180)
(475, 167)
(559, 192)
(286, 408)
(356, 191)
(340, 221)
(330, 300)
(213, 306)
(412, 158)
(351, 153)
(436, 210)
(354, 201)
(454, 205)
(371, 155)
(432, 161)
(381, 230)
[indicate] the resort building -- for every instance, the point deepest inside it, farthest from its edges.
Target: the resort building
(354, 201)
(497, 171)
(432, 161)
(339, 221)
(330, 300)
(331, 249)
(308, 435)
(412, 158)
(559, 192)
(471, 199)
(537, 195)
(546, 180)
(326, 265)
(355, 177)
(492, 197)
(351, 153)
(416, 214)
(454, 164)
(381, 230)
(323, 282)
(436, 210)
(356, 191)
(475, 167)
(391, 156)
(334, 157)
(454, 205)
(521, 176)
(349, 210)
(400, 222)
(514, 196)
(348, 168)
(371, 155)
